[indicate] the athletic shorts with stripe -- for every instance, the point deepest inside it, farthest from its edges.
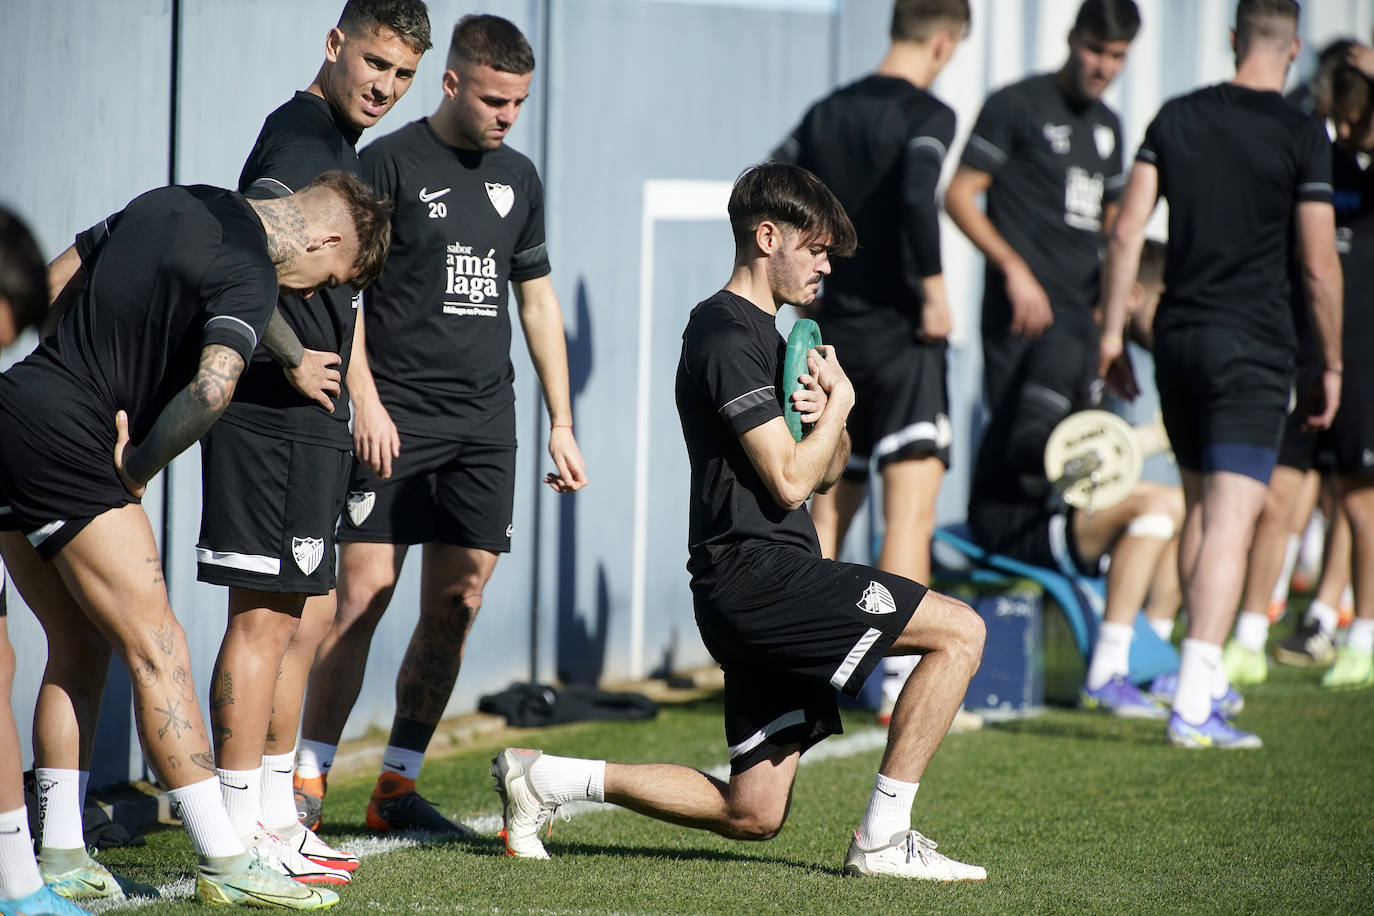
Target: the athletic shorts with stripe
(460, 493)
(901, 407)
(270, 507)
(794, 629)
(1032, 534)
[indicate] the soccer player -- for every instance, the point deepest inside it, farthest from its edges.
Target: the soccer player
(434, 405)
(878, 144)
(169, 297)
(275, 469)
(23, 300)
(1243, 172)
(1014, 509)
(1047, 152)
(787, 626)
(1352, 433)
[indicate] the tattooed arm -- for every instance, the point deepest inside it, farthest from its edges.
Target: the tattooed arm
(186, 418)
(311, 372)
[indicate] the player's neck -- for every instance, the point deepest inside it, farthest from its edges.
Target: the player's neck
(750, 281)
(442, 122)
(1261, 72)
(915, 63)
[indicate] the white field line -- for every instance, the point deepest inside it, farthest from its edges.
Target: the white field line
(366, 846)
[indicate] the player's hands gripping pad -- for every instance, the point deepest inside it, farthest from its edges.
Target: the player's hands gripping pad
(805, 336)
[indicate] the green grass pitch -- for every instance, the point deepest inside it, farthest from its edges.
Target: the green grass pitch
(1069, 812)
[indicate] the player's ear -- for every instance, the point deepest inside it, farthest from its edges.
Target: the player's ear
(450, 83)
(324, 240)
(767, 236)
(1233, 40)
(333, 44)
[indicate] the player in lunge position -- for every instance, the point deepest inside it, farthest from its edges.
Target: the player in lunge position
(788, 627)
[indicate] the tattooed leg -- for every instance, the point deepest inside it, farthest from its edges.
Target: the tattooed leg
(68, 705)
(261, 624)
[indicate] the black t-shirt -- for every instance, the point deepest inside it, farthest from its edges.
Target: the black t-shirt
(1353, 175)
(467, 224)
(1059, 377)
(1233, 163)
(878, 144)
(176, 270)
(1054, 164)
(299, 141)
(729, 381)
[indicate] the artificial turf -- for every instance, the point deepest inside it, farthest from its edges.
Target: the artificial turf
(1069, 812)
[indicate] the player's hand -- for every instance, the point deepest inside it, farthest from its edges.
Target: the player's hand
(1115, 368)
(810, 400)
(1322, 401)
(571, 475)
(935, 322)
(120, 454)
(825, 369)
(376, 440)
(1361, 57)
(316, 377)
(1030, 307)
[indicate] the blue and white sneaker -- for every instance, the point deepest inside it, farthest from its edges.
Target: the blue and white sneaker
(1163, 688)
(42, 902)
(1121, 698)
(1216, 732)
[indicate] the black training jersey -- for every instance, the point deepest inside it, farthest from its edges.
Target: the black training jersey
(878, 144)
(1060, 378)
(299, 141)
(467, 224)
(176, 270)
(1054, 164)
(1233, 163)
(729, 381)
(1353, 175)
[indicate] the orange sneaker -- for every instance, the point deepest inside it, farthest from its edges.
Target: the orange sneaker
(310, 799)
(395, 805)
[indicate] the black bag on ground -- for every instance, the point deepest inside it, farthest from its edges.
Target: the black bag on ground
(527, 705)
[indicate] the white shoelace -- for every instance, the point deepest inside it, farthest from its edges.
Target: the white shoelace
(919, 845)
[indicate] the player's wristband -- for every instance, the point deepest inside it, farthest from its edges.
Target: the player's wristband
(561, 426)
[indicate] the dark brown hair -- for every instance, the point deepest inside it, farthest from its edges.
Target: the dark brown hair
(1265, 20)
(409, 19)
(794, 198)
(371, 216)
(490, 41)
(23, 275)
(918, 20)
(1108, 20)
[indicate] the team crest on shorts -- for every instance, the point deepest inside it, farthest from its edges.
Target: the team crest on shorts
(360, 503)
(308, 553)
(502, 197)
(877, 599)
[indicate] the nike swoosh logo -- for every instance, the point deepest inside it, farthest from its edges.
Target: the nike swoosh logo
(426, 195)
(7, 832)
(398, 767)
(230, 785)
(94, 885)
(283, 772)
(888, 794)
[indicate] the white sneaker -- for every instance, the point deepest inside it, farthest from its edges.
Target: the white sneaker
(522, 810)
(283, 857)
(308, 844)
(909, 855)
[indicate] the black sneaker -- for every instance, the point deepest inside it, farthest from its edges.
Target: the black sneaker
(1308, 646)
(395, 805)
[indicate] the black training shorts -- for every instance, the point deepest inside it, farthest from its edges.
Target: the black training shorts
(1351, 437)
(270, 507)
(901, 407)
(460, 493)
(789, 629)
(1032, 534)
(1225, 398)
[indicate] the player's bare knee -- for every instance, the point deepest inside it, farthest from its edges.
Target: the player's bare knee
(757, 823)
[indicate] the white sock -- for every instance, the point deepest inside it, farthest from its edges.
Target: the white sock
(201, 808)
(402, 761)
(1324, 615)
(1347, 602)
(1111, 655)
(1290, 562)
(19, 875)
(59, 808)
(565, 779)
(896, 669)
(889, 811)
(1198, 669)
(314, 758)
(278, 795)
(1252, 630)
(1163, 627)
(241, 791)
(1360, 637)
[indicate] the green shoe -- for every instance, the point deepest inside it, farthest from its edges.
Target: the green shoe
(1353, 669)
(89, 880)
(259, 885)
(1244, 667)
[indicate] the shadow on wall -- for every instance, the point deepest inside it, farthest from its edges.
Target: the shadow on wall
(581, 637)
